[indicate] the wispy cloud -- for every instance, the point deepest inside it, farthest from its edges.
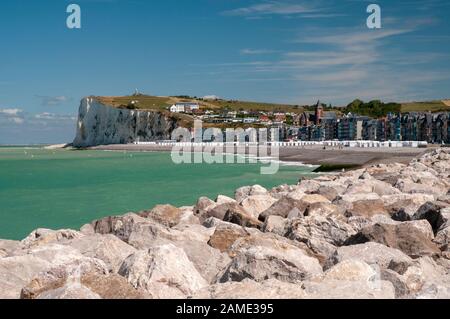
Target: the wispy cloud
(257, 51)
(274, 8)
(354, 38)
(11, 112)
(12, 115)
(53, 116)
(52, 100)
(17, 116)
(18, 126)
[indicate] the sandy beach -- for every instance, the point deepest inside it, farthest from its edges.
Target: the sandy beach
(312, 155)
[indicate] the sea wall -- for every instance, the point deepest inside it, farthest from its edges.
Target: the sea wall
(100, 124)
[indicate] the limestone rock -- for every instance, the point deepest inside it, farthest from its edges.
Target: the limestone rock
(56, 254)
(221, 199)
(108, 248)
(410, 203)
(220, 211)
(324, 209)
(372, 185)
(423, 226)
(284, 207)
(256, 204)
(350, 270)
(366, 208)
(282, 191)
(328, 192)
(87, 230)
(242, 217)
(152, 235)
(42, 237)
(16, 272)
(120, 226)
(225, 235)
(398, 281)
(406, 237)
(164, 271)
(192, 232)
(166, 215)
(372, 254)
(113, 286)
(142, 233)
(433, 186)
(432, 213)
(59, 275)
(308, 186)
(426, 277)
(443, 239)
(276, 224)
(321, 234)
(352, 198)
(188, 217)
(7, 247)
(85, 278)
(202, 206)
(342, 289)
(107, 287)
(260, 258)
(247, 191)
(70, 291)
(329, 229)
(207, 260)
(288, 207)
(249, 289)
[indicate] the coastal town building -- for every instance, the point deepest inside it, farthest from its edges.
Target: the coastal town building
(320, 125)
(427, 127)
(184, 107)
(318, 113)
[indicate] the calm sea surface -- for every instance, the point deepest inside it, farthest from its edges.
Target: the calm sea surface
(66, 189)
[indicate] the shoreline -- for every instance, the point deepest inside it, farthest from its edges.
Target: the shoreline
(376, 233)
(307, 155)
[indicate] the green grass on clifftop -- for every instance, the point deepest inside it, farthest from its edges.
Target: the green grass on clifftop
(433, 106)
(148, 102)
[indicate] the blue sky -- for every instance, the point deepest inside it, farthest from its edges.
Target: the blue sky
(263, 50)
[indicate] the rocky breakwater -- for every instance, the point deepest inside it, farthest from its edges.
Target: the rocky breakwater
(101, 124)
(378, 232)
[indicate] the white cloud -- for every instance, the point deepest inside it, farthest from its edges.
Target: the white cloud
(53, 116)
(52, 100)
(11, 112)
(354, 38)
(16, 116)
(273, 8)
(17, 120)
(256, 52)
(211, 97)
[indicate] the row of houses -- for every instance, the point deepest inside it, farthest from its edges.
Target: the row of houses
(429, 127)
(184, 107)
(327, 126)
(226, 116)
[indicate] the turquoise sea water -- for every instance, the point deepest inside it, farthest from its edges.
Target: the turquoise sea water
(66, 189)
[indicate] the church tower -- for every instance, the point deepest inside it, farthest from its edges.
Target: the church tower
(319, 113)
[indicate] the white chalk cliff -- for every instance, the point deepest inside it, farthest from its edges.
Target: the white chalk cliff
(100, 124)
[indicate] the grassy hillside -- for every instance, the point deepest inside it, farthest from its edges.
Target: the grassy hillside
(161, 103)
(433, 106)
(147, 102)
